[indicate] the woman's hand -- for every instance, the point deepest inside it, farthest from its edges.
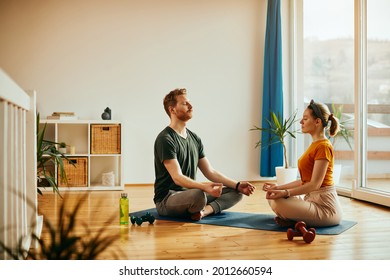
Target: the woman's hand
(268, 186)
(275, 194)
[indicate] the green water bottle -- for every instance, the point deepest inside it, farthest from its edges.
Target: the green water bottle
(124, 209)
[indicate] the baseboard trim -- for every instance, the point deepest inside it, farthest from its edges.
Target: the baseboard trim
(140, 185)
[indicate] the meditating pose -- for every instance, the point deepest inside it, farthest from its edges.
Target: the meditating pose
(320, 204)
(178, 153)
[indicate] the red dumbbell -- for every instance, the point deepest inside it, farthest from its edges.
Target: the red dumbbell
(300, 230)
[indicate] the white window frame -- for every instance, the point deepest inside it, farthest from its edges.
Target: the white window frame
(359, 188)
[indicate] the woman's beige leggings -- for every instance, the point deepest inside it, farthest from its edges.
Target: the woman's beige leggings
(316, 209)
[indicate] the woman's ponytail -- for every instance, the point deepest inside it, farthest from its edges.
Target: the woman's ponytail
(334, 127)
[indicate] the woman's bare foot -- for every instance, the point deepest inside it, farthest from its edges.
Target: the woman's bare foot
(283, 222)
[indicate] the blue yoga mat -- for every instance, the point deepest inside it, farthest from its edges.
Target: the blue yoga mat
(247, 220)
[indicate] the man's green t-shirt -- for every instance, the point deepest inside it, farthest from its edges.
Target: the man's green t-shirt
(170, 145)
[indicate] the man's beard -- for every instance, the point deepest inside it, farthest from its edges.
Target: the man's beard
(185, 116)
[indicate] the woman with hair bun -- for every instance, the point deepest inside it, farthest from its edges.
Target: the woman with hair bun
(313, 198)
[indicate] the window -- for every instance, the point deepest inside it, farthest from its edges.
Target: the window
(333, 59)
(378, 96)
(328, 71)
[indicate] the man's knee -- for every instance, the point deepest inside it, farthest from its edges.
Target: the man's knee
(197, 200)
(228, 199)
(196, 195)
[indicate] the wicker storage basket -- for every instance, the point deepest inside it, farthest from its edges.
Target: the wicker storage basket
(77, 174)
(105, 139)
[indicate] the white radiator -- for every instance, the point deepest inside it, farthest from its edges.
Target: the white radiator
(18, 190)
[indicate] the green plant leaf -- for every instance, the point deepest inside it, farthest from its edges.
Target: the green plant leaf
(345, 132)
(48, 155)
(278, 129)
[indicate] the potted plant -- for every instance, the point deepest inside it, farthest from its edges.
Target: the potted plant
(278, 130)
(68, 238)
(345, 133)
(48, 157)
(62, 148)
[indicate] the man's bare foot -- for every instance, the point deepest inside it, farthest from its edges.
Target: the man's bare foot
(207, 210)
(197, 216)
(283, 222)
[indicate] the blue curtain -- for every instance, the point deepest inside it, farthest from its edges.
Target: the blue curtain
(272, 156)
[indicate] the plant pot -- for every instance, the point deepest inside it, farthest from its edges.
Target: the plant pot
(62, 150)
(285, 175)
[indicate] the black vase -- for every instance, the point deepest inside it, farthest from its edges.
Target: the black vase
(106, 114)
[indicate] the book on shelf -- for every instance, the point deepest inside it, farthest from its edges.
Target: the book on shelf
(62, 116)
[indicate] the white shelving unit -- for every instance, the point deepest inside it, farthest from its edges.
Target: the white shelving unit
(78, 133)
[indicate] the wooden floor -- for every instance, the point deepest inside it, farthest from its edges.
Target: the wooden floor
(166, 240)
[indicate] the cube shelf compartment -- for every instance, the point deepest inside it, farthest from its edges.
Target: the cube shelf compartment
(97, 151)
(105, 138)
(76, 170)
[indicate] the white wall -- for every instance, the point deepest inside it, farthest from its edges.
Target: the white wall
(85, 55)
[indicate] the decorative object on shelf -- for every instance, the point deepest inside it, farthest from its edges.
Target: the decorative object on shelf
(106, 114)
(72, 149)
(62, 116)
(76, 172)
(105, 139)
(108, 179)
(62, 148)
